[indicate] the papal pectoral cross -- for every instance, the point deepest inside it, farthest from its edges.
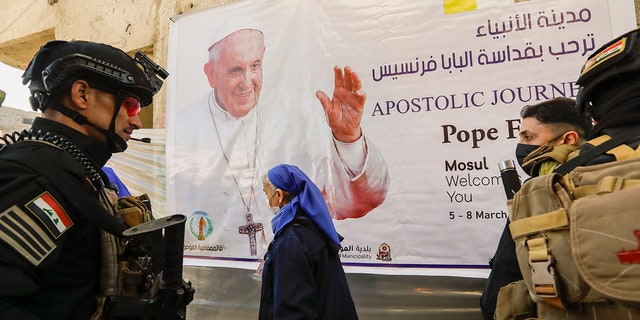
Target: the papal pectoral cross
(250, 229)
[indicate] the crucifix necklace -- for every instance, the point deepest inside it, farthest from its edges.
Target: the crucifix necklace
(250, 228)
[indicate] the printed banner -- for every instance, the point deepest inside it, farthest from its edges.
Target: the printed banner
(443, 95)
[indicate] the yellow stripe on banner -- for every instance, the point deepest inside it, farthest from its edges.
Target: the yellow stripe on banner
(455, 6)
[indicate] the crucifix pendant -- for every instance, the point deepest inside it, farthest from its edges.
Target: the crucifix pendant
(250, 229)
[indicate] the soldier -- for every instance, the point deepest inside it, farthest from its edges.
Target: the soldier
(576, 231)
(549, 132)
(59, 231)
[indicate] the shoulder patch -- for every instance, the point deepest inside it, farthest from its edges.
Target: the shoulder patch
(50, 213)
(19, 229)
(611, 51)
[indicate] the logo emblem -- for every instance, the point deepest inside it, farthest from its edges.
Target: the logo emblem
(200, 225)
(384, 252)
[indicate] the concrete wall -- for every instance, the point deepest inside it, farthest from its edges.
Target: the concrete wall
(128, 24)
(12, 119)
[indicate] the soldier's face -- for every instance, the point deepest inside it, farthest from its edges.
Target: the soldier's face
(537, 133)
(101, 111)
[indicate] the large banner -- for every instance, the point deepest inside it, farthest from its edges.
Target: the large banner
(444, 85)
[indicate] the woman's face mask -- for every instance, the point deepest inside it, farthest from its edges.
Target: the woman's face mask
(275, 209)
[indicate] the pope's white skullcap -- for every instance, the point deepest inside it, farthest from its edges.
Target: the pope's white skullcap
(232, 25)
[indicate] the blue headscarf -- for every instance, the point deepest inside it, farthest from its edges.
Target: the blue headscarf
(291, 179)
(113, 178)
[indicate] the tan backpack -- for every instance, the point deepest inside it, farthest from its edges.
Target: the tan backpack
(578, 243)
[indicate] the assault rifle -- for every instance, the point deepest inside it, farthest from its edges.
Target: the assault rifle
(173, 293)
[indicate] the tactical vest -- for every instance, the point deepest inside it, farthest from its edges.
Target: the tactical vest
(577, 239)
(122, 274)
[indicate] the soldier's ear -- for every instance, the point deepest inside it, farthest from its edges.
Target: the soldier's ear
(80, 93)
(571, 138)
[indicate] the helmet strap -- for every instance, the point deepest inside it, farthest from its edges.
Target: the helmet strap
(114, 141)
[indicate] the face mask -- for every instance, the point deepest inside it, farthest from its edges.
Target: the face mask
(276, 208)
(523, 150)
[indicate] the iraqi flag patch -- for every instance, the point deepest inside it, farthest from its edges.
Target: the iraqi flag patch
(50, 213)
(604, 55)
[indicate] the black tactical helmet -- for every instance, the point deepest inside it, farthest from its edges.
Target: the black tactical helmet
(58, 63)
(611, 66)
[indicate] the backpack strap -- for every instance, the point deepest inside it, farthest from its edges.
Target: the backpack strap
(621, 152)
(605, 185)
(544, 276)
(538, 223)
(598, 150)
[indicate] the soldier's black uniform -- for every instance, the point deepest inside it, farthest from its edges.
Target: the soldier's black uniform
(61, 244)
(49, 246)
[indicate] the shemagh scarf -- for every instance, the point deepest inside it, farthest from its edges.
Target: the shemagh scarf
(291, 179)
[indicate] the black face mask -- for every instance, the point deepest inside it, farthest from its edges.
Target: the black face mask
(523, 150)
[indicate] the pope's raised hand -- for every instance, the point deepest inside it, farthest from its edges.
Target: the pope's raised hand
(344, 109)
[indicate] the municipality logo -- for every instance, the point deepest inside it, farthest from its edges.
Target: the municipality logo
(384, 252)
(200, 225)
